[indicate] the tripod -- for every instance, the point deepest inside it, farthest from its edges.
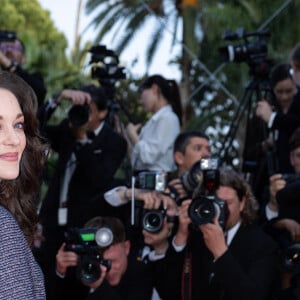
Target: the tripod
(255, 131)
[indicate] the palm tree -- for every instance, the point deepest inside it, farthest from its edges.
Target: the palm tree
(126, 18)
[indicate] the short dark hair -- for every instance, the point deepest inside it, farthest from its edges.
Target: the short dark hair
(183, 139)
(294, 141)
(98, 95)
(114, 224)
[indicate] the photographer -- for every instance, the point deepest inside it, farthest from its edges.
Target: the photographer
(153, 146)
(279, 222)
(123, 277)
(89, 154)
(12, 58)
(283, 118)
(209, 262)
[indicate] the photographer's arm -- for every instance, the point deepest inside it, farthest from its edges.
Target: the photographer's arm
(122, 195)
(214, 239)
(75, 96)
(181, 237)
(276, 183)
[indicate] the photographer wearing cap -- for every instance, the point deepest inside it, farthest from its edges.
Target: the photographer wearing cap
(123, 276)
(207, 261)
(12, 58)
(89, 154)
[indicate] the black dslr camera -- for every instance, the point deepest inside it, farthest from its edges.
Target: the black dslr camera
(204, 176)
(79, 115)
(86, 242)
(150, 220)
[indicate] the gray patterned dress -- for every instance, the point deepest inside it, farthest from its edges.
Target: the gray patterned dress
(20, 275)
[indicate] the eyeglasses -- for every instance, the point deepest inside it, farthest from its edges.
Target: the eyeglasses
(15, 47)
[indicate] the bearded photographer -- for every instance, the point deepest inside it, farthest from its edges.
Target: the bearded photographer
(206, 261)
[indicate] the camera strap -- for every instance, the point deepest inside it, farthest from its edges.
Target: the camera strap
(186, 282)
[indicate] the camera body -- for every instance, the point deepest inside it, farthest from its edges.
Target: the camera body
(105, 65)
(153, 219)
(151, 180)
(79, 115)
(86, 242)
(150, 220)
(203, 173)
(204, 209)
(204, 177)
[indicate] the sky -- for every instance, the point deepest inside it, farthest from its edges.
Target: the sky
(63, 13)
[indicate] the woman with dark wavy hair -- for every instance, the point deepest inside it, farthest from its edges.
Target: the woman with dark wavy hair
(22, 156)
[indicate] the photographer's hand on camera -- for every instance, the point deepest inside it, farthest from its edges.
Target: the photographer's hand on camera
(182, 234)
(64, 260)
(132, 131)
(213, 237)
(94, 285)
(6, 63)
(276, 183)
(151, 199)
(75, 96)
(264, 110)
(181, 193)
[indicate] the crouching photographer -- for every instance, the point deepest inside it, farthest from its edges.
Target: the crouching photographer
(97, 262)
(215, 260)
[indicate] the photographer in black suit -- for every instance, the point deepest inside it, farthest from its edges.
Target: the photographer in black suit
(202, 263)
(279, 210)
(123, 275)
(89, 154)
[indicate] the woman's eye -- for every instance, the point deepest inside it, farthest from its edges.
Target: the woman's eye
(19, 125)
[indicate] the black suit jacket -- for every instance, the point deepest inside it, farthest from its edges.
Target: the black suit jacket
(136, 284)
(96, 164)
(246, 270)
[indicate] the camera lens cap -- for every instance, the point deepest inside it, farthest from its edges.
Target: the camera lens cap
(104, 237)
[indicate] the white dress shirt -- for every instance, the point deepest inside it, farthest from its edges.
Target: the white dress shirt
(154, 150)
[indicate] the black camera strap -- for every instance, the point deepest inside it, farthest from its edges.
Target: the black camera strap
(186, 282)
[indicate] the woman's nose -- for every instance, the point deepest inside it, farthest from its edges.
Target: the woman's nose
(11, 137)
